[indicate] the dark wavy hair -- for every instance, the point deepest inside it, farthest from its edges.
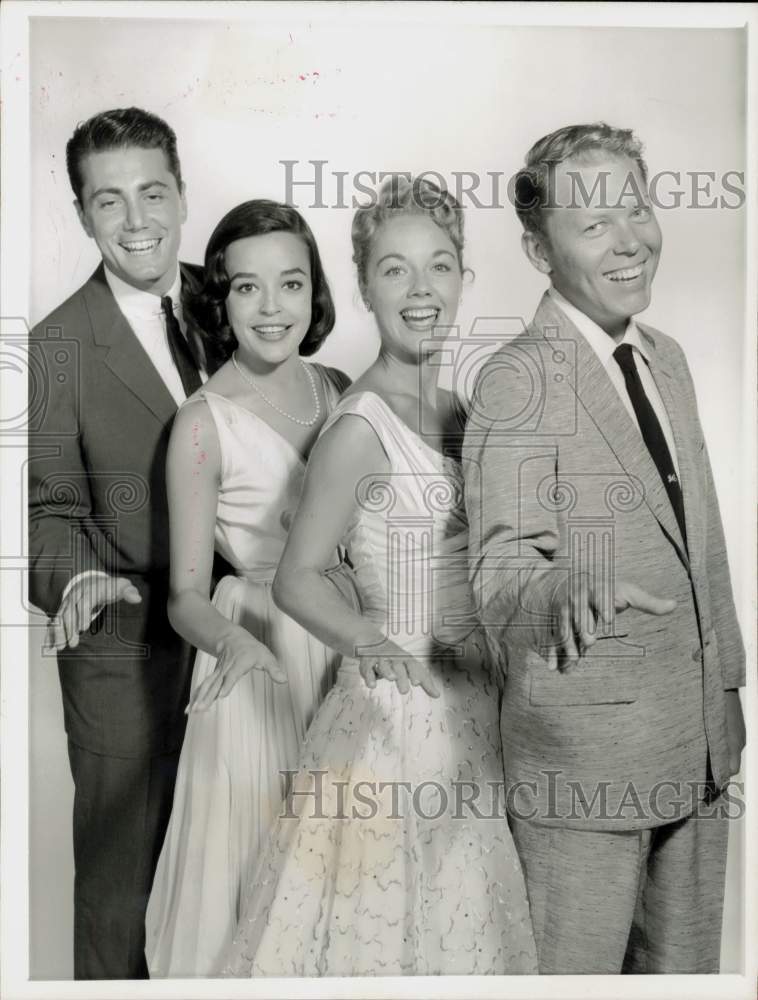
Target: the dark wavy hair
(208, 308)
(117, 129)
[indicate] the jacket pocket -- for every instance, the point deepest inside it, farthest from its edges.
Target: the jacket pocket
(584, 685)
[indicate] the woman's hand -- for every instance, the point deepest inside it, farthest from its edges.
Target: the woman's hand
(390, 662)
(238, 653)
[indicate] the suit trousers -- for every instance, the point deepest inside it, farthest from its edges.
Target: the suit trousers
(121, 811)
(633, 901)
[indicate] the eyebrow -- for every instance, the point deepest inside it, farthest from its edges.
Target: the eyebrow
(252, 274)
(114, 190)
(399, 256)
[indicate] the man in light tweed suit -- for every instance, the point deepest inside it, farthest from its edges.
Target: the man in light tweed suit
(590, 493)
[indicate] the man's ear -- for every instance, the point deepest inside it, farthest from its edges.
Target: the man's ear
(82, 217)
(533, 245)
(183, 201)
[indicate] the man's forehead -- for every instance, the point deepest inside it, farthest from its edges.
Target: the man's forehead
(598, 179)
(118, 158)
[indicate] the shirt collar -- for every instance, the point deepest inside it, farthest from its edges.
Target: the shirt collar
(135, 303)
(598, 339)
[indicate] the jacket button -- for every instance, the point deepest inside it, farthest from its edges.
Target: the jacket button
(697, 654)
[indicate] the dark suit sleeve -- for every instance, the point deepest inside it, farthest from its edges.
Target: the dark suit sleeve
(60, 542)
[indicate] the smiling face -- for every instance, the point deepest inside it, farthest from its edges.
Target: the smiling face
(133, 209)
(601, 251)
(270, 295)
(413, 283)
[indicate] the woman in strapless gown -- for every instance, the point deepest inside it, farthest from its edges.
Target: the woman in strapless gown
(236, 470)
(393, 854)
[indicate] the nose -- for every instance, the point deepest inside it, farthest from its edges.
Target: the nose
(627, 240)
(419, 285)
(135, 215)
(269, 302)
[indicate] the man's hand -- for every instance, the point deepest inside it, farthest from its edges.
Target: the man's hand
(83, 603)
(577, 607)
(735, 730)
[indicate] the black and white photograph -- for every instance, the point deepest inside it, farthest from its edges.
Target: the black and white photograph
(378, 500)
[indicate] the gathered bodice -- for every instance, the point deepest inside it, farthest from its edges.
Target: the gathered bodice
(261, 480)
(408, 537)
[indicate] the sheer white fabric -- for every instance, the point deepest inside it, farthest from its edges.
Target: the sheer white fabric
(229, 786)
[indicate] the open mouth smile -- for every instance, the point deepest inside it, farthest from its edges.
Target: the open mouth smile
(140, 248)
(626, 274)
(421, 317)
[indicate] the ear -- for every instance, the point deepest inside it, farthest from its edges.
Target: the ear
(183, 201)
(535, 247)
(82, 218)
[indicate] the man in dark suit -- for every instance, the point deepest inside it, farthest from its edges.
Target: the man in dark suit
(587, 479)
(117, 361)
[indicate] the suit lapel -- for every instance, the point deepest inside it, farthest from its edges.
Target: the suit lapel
(125, 355)
(598, 398)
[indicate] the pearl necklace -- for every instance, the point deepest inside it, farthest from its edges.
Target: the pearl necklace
(264, 397)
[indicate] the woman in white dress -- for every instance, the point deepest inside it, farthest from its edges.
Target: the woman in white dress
(393, 854)
(235, 470)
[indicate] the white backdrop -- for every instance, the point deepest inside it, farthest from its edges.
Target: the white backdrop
(244, 95)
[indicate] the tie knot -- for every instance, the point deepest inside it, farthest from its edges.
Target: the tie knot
(167, 305)
(624, 355)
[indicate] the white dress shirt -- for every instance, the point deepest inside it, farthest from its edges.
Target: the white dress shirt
(604, 345)
(144, 314)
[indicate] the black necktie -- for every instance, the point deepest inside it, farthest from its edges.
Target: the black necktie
(651, 431)
(180, 349)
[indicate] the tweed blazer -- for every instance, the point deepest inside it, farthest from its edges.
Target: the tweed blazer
(558, 480)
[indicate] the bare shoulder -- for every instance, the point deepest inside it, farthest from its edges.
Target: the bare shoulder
(350, 444)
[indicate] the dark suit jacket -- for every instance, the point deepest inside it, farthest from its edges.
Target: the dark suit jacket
(558, 477)
(100, 417)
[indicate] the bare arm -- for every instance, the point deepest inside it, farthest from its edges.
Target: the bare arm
(347, 453)
(193, 469)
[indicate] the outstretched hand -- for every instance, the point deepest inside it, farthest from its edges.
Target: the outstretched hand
(238, 653)
(83, 603)
(577, 608)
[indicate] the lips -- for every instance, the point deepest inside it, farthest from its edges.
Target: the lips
(140, 248)
(624, 274)
(272, 331)
(420, 317)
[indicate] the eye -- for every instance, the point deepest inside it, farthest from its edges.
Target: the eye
(157, 196)
(642, 213)
(293, 285)
(596, 228)
(393, 271)
(244, 288)
(108, 204)
(442, 268)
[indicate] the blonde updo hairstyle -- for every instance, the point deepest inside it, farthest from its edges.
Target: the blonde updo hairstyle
(402, 194)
